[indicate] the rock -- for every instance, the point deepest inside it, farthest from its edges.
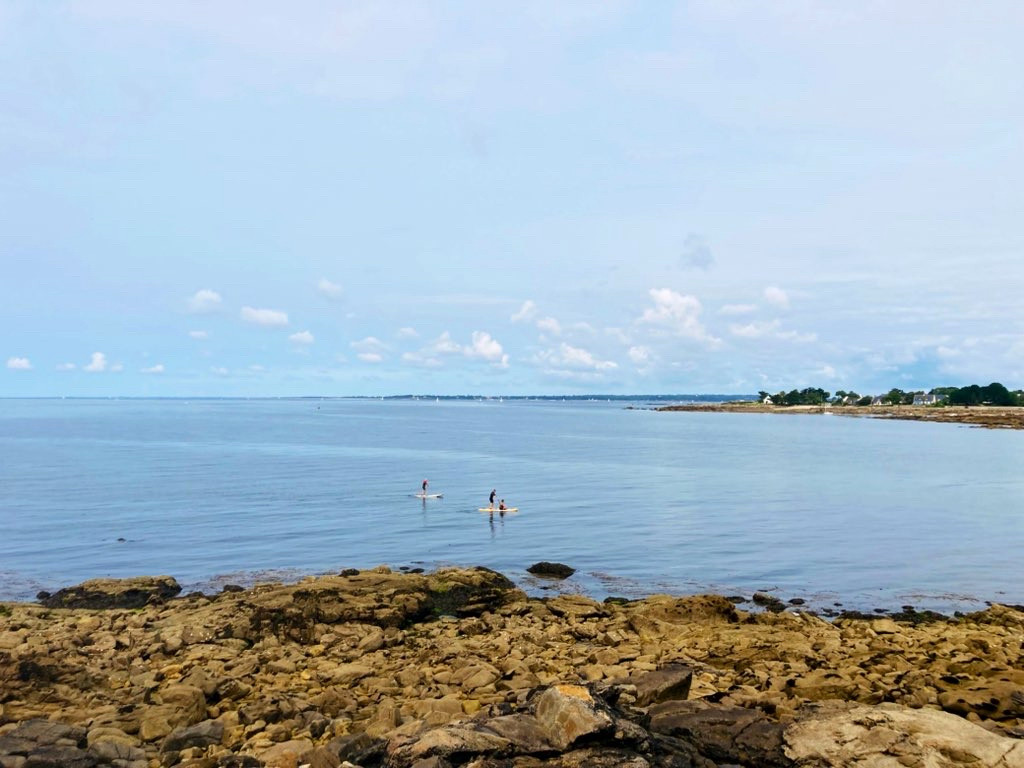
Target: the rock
(287, 753)
(114, 593)
(60, 757)
(453, 741)
(723, 734)
(843, 735)
(202, 734)
(551, 570)
(769, 602)
(568, 713)
(524, 732)
(671, 681)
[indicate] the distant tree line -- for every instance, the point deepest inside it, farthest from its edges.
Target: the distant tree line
(994, 394)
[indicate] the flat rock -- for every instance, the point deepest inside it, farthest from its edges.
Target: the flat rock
(114, 593)
(671, 681)
(888, 734)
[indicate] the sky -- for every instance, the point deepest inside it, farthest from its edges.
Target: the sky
(372, 198)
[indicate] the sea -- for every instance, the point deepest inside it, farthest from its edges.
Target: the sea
(844, 513)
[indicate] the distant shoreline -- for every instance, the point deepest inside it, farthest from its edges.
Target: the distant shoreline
(989, 417)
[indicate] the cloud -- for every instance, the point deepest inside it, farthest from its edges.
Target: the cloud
(755, 330)
(268, 318)
(444, 345)
(117, 367)
(487, 348)
(204, 301)
(696, 252)
(302, 338)
(640, 355)
(158, 368)
(199, 334)
(332, 291)
(19, 364)
(737, 309)
(526, 312)
(770, 329)
(578, 358)
(66, 367)
(369, 344)
(370, 357)
(827, 371)
(408, 333)
(421, 360)
(775, 295)
(678, 315)
(220, 370)
(550, 325)
(97, 363)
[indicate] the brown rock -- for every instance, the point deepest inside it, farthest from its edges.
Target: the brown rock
(568, 713)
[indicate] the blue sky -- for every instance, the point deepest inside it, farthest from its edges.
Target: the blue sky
(329, 198)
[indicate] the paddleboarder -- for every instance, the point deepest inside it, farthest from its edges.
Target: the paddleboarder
(493, 494)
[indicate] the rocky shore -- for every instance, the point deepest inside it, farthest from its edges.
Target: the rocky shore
(460, 668)
(991, 417)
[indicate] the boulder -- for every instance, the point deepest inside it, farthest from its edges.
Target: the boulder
(551, 570)
(569, 713)
(114, 593)
(671, 681)
(723, 734)
(841, 735)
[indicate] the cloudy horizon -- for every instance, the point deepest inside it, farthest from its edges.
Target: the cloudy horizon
(370, 199)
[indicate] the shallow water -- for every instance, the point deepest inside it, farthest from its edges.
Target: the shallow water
(864, 512)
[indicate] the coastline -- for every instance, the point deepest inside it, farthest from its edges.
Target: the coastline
(459, 667)
(990, 417)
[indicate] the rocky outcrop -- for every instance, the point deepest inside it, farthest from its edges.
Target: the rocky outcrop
(459, 668)
(114, 593)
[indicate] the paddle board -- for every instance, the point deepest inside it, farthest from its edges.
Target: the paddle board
(495, 509)
(428, 496)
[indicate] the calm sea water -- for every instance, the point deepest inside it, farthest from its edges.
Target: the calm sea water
(832, 509)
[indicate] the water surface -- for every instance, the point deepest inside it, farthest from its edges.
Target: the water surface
(865, 512)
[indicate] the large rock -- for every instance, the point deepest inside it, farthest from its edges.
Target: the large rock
(569, 713)
(670, 682)
(114, 593)
(551, 570)
(723, 734)
(843, 735)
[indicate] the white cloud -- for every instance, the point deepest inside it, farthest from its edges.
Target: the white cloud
(416, 358)
(408, 333)
(370, 357)
(117, 367)
(97, 363)
(754, 330)
(256, 368)
(444, 345)
(269, 318)
(678, 315)
(775, 295)
(204, 301)
(640, 355)
(369, 344)
(19, 364)
(332, 291)
(199, 334)
(302, 338)
(66, 367)
(770, 329)
(550, 325)
(526, 312)
(158, 368)
(573, 358)
(737, 309)
(220, 370)
(486, 347)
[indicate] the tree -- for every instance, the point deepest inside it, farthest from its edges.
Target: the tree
(894, 396)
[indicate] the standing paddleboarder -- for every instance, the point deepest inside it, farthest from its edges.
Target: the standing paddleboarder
(425, 483)
(493, 494)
